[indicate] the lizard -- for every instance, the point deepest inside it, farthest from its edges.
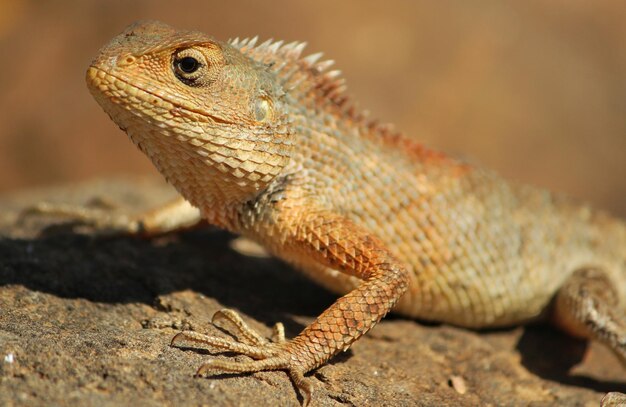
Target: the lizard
(263, 142)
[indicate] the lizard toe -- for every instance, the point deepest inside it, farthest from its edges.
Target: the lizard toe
(268, 355)
(282, 360)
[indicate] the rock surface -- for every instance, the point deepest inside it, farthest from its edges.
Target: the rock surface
(87, 320)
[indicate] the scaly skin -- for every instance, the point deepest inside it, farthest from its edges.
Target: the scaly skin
(264, 144)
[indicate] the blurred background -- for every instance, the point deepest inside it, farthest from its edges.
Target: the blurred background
(535, 89)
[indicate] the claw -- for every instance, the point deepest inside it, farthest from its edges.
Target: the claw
(303, 385)
(278, 333)
(249, 335)
(244, 331)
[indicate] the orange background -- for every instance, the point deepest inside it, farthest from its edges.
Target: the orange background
(533, 89)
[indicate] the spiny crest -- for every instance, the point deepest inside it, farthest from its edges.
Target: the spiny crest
(307, 78)
(310, 80)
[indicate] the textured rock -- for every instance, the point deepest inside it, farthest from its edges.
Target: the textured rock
(87, 321)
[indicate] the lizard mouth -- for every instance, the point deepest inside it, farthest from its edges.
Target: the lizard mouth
(118, 90)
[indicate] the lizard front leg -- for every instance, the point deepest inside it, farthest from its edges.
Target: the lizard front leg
(335, 242)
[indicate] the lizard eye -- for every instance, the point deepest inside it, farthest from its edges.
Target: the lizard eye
(188, 64)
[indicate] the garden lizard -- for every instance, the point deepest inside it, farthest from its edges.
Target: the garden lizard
(263, 142)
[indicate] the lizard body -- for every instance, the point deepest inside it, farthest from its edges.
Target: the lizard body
(263, 142)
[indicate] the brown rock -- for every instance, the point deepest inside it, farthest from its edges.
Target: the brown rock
(88, 321)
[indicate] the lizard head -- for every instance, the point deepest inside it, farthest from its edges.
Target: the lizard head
(208, 116)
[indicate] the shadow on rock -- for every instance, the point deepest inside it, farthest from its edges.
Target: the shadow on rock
(551, 355)
(128, 269)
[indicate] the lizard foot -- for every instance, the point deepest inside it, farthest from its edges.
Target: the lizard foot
(268, 355)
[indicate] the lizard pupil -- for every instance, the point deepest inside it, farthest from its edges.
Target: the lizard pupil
(188, 65)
